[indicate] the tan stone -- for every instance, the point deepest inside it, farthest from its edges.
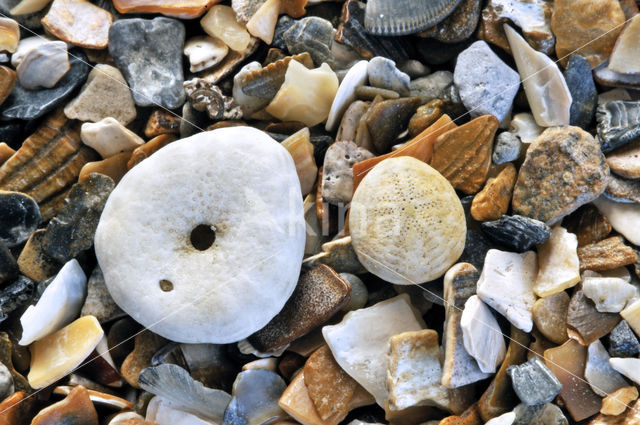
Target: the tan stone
(471, 416)
(263, 23)
(493, 200)
(632, 417)
(75, 408)
(9, 35)
(625, 58)
(632, 315)
(8, 80)
(114, 167)
(550, 316)
(184, 9)
(425, 116)
(146, 150)
(616, 402)
(15, 409)
(108, 137)
(79, 22)
(586, 27)
(220, 22)
(463, 155)
(588, 225)
(146, 345)
(558, 264)
(162, 122)
(5, 152)
(625, 161)
(34, 262)
(301, 150)
(607, 254)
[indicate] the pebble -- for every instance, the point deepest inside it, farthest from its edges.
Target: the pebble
(201, 323)
(607, 78)
(425, 116)
(616, 403)
(439, 235)
(459, 25)
(622, 217)
(204, 52)
(504, 419)
(220, 22)
(631, 314)
(625, 161)
(463, 155)
(79, 22)
(105, 95)
(578, 176)
(622, 190)
(613, 94)
(15, 295)
(383, 73)
(75, 408)
(337, 176)
(6, 382)
(9, 35)
(517, 232)
(486, 84)
(149, 54)
(72, 230)
(351, 120)
(623, 58)
(162, 122)
(146, 344)
(579, 80)
(161, 412)
(602, 378)
(19, 215)
(609, 294)
(346, 94)
(506, 148)
(533, 382)
(263, 23)
(524, 126)
(386, 119)
(255, 398)
(337, 254)
(622, 341)
(629, 367)
(482, 336)
(56, 355)
(8, 265)
(558, 264)
(618, 123)
(311, 34)
(98, 302)
(114, 167)
(588, 225)
(319, 294)
(506, 285)
(576, 32)
(370, 93)
(360, 342)
(51, 56)
(544, 85)
(492, 202)
(8, 80)
(607, 254)
(34, 262)
(550, 316)
(438, 85)
(108, 137)
(301, 150)
(586, 324)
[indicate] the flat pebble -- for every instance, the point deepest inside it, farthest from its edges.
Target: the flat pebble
(602, 378)
(583, 91)
(533, 382)
(44, 65)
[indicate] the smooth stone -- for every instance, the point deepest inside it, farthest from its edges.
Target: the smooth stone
(583, 91)
(337, 175)
(220, 22)
(618, 401)
(149, 54)
(607, 78)
(20, 217)
(613, 94)
(459, 25)
(301, 149)
(618, 123)
(506, 285)
(576, 32)
(76, 408)
(476, 246)
(438, 85)
(205, 96)
(414, 68)
(8, 80)
(360, 347)
(314, 35)
(25, 46)
(425, 116)
(9, 35)
(72, 230)
(56, 355)
(98, 302)
(629, 367)
(624, 59)
(550, 316)
(579, 174)
(388, 118)
(438, 235)
(6, 382)
(204, 52)
(545, 414)
(585, 324)
(8, 265)
(610, 295)
(625, 161)
(114, 167)
(162, 412)
(492, 202)
(32, 104)
(337, 254)
(255, 398)
(346, 94)
(15, 295)
(533, 382)
(59, 304)
(383, 73)
(108, 137)
(459, 367)
(482, 336)
(319, 294)
(146, 345)
(105, 95)
(517, 232)
(52, 57)
(602, 378)
(589, 225)
(504, 419)
(351, 120)
(608, 254)
(359, 292)
(486, 84)
(544, 85)
(558, 263)
(524, 126)
(622, 341)
(506, 148)
(79, 22)
(622, 217)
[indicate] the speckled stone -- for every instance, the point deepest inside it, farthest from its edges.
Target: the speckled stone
(623, 190)
(608, 254)
(623, 342)
(506, 148)
(517, 232)
(534, 382)
(149, 54)
(583, 91)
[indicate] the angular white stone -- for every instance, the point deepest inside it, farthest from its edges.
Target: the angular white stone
(204, 52)
(624, 218)
(524, 126)
(109, 137)
(506, 284)
(625, 57)
(544, 84)
(161, 412)
(482, 336)
(505, 419)
(629, 367)
(59, 304)
(602, 378)
(384, 74)
(263, 23)
(346, 94)
(558, 264)
(360, 342)
(610, 294)
(44, 65)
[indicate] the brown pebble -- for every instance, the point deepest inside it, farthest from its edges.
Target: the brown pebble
(493, 200)
(588, 225)
(625, 161)
(425, 116)
(539, 344)
(463, 155)
(75, 409)
(350, 121)
(115, 167)
(586, 324)
(146, 345)
(616, 402)
(289, 364)
(8, 80)
(550, 316)
(15, 409)
(34, 262)
(370, 93)
(629, 8)
(386, 119)
(162, 122)
(632, 417)
(285, 127)
(471, 416)
(226, 124)
(607, 254)
(5, 152)
(143, 152)
(78, 22)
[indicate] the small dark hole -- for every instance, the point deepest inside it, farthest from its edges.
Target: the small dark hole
(166, 285)
(202, 237)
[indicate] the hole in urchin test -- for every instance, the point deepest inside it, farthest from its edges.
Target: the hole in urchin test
(166, 285)
(202, 237)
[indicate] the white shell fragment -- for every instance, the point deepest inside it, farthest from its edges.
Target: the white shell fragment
(544, 84)
(482, 335)
(346, 94)
(559, 267)
(58, 306)
(209, 232)
(505, 419)
(44, 65)
(602, 378)
(162, 412)
(263, 23)
(25, 46)
(109, 137)
(625, 57)
(360, 342)
(524, 126)
(624, 218)
(28, 6)
(9, 35)
(204, 52)
(506, 284)
(628, 366)
(609, 294)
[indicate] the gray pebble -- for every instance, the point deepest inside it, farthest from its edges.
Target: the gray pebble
(6, 382)
(384, 74)
(533, 382)
(507, 148)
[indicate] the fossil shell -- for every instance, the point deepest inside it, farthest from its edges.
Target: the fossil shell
(400, 17)
(618, 123)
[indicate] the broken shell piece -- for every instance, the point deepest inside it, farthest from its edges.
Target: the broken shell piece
(618, 123)
(617, 402)
(609, 294)
(263, 23)
(9, 35)
(506, 284)
(204, 96)
(360, 342)
(525, 127)
(162, 412)
(97, 397)
(346, 94)
(602, 378)
(306, 95)
(558, 264)
(624, 58)
(544, 84)
(114, 167)
(44, 65)
(79, 22)
(220, 22)
(629, 367)
(255, 398)
(388, 18)
(174, 384)
(58, 305)
(56, 355)
(108, 137)
(482, 335)
(623, 217)
(204, 52)
(75, 408)
(301, 150)
(337, 175)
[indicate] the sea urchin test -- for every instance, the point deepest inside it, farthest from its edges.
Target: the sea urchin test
(202, 242)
